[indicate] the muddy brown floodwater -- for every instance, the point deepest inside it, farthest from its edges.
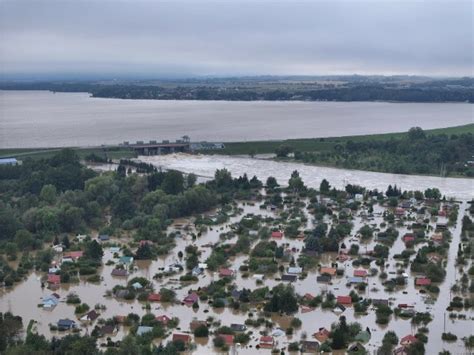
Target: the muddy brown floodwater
(23, 298)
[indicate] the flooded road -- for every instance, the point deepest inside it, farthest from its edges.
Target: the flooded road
(23, 298)
(206, 165)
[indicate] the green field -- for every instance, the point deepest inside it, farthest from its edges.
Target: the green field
(322, 144)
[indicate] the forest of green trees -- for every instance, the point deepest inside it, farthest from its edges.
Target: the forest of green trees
(417, 153)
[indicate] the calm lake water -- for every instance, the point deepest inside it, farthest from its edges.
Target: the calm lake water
(45, 119)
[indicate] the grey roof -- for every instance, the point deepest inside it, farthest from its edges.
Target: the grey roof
(290, 278)
(65, 323)
(323, 278)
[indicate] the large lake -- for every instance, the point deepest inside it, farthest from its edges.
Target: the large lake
(46, 119)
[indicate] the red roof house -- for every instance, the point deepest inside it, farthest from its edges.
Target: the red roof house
(191, 298)
(399, 211)
(266, 341)
(228, 339)
(422, 281)
(360, 273)
(328, 270)
(322, 335)
(277, 234)
(344, 300)
(164, 319)
(407, 238)
(154, 297)
(54, 279)
(186, 338)
(408, 340)
(74, 255)
(224, 272)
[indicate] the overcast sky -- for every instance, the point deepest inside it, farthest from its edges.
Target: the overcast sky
(155, 38)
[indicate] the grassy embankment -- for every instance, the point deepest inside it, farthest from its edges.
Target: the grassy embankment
(322, 144)
(38, 153)
(236, 148)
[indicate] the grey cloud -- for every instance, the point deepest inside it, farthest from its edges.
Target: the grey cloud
(236, 37)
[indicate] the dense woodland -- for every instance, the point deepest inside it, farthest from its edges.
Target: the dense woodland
(247, 89)
(44, 198)
(417, 153)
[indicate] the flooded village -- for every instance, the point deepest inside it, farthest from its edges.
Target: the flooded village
(236, 177)
(274, 267)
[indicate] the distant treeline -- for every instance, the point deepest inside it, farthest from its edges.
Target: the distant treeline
(460, 90)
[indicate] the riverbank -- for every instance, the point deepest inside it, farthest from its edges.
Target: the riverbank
(324, 144)
(321, 152)
(236, 148)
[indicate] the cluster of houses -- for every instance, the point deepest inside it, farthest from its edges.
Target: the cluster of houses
(327, 274)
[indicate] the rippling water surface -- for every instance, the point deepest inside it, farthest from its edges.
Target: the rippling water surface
(206, 165)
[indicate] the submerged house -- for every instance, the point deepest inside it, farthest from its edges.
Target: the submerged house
(119, 272)
(224, 272)
(360, 273)
(356, 280)
(90, 316)
(66, 324)
(164, 319)
(126, 260)
(277, 235)
(72, 256)
(191, 298)
(154, 297)
(238, 327)
(104, 238)
(308, 346)
(331, 271)
(197, 271)
(228, 339)
(322, 335)
(54, 280)
(288, 278)
(144, 329)
(295, 270)
(323, 278)
(344, 300)
(185, 338)
(51, 301)
(408, 340)
(266, 342)
(422, 281)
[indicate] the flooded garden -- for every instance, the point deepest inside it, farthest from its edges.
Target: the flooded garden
(294, 268)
